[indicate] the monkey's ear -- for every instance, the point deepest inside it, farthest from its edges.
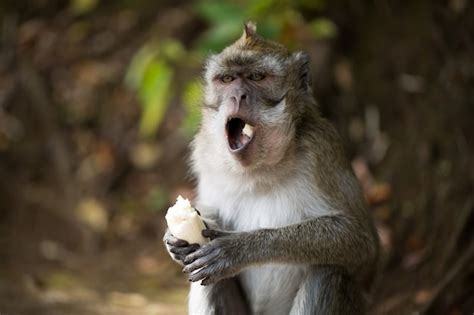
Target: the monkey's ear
(250, 29)
(301, 64)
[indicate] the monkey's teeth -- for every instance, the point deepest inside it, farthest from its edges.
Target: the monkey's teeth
(248, 130)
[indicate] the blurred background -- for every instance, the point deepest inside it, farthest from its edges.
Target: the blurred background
(99, 100)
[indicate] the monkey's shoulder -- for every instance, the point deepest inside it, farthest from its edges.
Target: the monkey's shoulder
(319, 137)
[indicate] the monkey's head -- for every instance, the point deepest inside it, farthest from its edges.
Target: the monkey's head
(255, 93)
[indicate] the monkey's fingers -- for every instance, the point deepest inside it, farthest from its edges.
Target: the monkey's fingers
(201, 252)
(204, 282)
(178, 257)
(203, 273)
(209, 280)
(212, 234)
(210, 274)
(174, 241)
(201, 262)
(184, 250)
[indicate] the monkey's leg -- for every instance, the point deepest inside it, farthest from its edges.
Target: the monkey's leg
(328, 291)
(225, 297)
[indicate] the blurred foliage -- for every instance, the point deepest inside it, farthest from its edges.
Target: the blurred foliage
(63, 280)
(225, 19)
(225, 23)
(92, 213)
(83, 6)
(151, 74)
(323, 28)
(191, 100)
(157, 198)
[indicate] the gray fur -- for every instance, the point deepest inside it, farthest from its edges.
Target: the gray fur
(292, 226)
(229, 298)
(328, 291)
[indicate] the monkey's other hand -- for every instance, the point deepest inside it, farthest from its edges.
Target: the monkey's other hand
(221, 258)
(213, 234)
(178, 248)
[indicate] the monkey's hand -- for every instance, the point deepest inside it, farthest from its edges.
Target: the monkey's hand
(178, 248)
(221, 258)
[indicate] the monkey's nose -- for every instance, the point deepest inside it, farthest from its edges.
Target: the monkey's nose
(237, 99)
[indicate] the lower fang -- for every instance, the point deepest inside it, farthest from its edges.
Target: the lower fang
(248, 130)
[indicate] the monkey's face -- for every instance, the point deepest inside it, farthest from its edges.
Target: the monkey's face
(253, 99)
(246, 97)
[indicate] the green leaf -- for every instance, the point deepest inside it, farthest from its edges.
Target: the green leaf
(139, 65)
(312, 4)
(157, 199)
(218, 37)
(155, 93)
(226, 23)
(262, 8)
(151, 74)
(82, 6)
(172, 50)
(323, 28)
(270, 28)
(220, 12)
(192, 98)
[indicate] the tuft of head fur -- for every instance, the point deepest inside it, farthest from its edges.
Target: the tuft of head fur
(251, 41)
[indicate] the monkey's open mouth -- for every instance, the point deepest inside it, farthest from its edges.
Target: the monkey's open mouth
(239, 133)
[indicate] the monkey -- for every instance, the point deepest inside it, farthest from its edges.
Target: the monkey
(289, 229)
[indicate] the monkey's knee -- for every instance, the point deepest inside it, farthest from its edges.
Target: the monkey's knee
(329, 291)
(225, 297)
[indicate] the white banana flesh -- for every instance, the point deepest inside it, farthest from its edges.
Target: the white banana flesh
(185, 223)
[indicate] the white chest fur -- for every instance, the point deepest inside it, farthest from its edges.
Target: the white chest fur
(242, 208)
(239, 206)
(272, 288)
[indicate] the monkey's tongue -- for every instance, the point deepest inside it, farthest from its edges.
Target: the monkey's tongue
(239, 133)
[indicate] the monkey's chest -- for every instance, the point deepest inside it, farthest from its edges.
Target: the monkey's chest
(256, 212)
(271, 288)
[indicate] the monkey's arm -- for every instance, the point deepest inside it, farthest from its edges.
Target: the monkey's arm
(327, 240)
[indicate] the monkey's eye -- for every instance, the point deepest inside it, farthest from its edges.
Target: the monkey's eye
(256, 76)
(227, 78)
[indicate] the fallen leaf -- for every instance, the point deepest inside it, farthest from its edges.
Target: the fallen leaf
(91, 212)
(423, 296)
(147, 264)
(132, 300)
(378, 193)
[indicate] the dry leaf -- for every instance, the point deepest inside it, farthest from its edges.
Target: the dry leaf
(423, 296)
(91, 212)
